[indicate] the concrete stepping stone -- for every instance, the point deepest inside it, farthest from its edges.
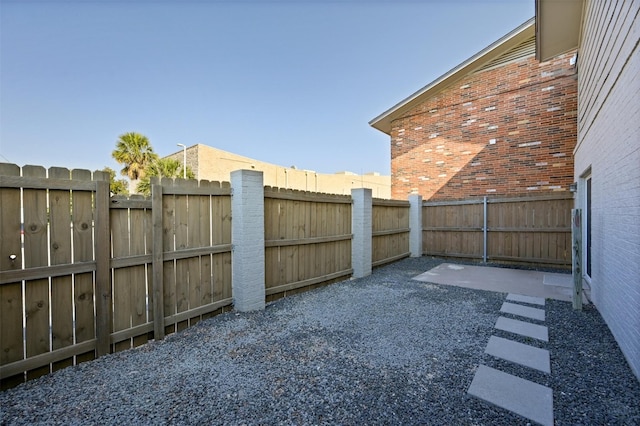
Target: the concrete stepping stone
(517, 352)
(523, 311)
(523, 397)
(525, 299)
(523, 328)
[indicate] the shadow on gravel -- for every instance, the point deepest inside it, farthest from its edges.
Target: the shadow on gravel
(380, 350)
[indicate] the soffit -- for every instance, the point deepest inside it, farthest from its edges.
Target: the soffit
(557, 27)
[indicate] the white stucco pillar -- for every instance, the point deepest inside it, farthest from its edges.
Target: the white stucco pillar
(361, 226)
(415, 225)
(247, 237)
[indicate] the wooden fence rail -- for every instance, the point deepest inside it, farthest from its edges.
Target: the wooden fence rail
(526, 230)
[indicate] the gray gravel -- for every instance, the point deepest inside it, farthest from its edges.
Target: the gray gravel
(379, 350)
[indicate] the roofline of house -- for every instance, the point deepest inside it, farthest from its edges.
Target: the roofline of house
(510, 40)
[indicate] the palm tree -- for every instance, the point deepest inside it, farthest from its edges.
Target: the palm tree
(162, 167)
(135, 153)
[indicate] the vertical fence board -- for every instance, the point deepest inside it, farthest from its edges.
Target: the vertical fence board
(169, 295)
(271, 214)
(226, 276)
(281, 234)
(286, 231)
(377, 245)
(218, 262)
(285, 252)
(304, 251)
(328, 230)
(149, 267)
(310, 231)
(322, 248)
(292, 266)
(138, 237)
(222, 274)
(149, 237)
(83, 252)
(36, 254)
(11, 344)
(168, 244)
(122, 277)
(226, 233)
(61, 287)
(103, 293)
(206, 273)
(317, 232)
(182, 265)
(299, 232)
(312, 269)
(332, 227)
(194, 240)
(217, 212)
(157, 212)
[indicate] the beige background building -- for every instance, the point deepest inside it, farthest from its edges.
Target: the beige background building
(216, 165)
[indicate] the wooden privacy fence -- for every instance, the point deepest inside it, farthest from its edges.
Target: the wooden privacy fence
(390, 223)
(49, 291)
(171, 258)
(83, 274)
(91, 274)
(307, 239)
(527, 230)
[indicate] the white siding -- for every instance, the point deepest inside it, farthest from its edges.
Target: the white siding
(609, 144)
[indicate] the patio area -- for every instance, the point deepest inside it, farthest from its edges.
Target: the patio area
(385, 349)
(548, 285)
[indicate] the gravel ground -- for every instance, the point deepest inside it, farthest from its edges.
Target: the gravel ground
(379, 350)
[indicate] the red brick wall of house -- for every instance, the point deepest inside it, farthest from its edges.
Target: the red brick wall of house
(506, 131)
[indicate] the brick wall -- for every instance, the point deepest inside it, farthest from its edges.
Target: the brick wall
(509, 130)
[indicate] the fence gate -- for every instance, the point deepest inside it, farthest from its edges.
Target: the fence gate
(526, 230)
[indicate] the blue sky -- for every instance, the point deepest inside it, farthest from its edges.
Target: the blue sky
(287, 82)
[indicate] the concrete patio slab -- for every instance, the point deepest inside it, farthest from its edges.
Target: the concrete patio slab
(523, 328)
(523, 397)
(517, 352)
(558, 280)
(529, 283)
(523, 311)
(525, 299)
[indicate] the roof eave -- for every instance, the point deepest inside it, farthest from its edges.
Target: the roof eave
(512, 39)
(558, 26)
